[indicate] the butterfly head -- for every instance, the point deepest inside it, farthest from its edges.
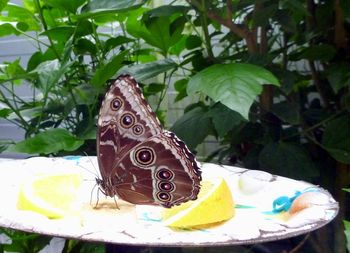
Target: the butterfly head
(105, 187)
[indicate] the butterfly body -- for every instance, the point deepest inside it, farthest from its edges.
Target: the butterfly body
(139, 161)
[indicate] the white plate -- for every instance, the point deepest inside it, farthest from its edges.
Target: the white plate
(268, 208)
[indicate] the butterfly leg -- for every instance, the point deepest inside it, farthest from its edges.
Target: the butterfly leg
(97, 198)
(116, 204)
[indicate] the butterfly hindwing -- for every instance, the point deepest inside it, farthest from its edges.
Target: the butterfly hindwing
(162, 169)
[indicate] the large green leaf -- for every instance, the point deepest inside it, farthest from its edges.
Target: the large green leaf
(193, 127)
(50, 141)
(159, 31)
(145, 71)
(336, 139)
(235, 85)
(288, 160)
(107, 71)
(97, 8)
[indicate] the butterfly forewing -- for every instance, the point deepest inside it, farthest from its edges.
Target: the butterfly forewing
(124, 121)
(138, 160)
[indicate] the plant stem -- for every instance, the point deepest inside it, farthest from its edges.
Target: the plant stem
(204, 22)
(43, 21)
(16, 111)
(101, 58)
(317, 125)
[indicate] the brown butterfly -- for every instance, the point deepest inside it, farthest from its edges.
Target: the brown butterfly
(139, 161)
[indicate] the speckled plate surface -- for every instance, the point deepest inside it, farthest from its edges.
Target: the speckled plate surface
(268, 208)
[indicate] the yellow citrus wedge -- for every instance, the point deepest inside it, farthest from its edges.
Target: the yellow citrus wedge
(51, 195)
(214, 204)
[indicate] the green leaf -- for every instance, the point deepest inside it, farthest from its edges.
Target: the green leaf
(193, 41)
(145, 71)
(97, 8)
(60, 34)
(83, 28)
(161, 32)
(39, 57)
(224, 119)
(287, 160)
(7, 29)
(3, 3)
(323, 52)
(181, 87)
(68, 5)
(286, 22)
(347, 233)
(50, 141)
(116, 41)
(338, 75)
(336, 139)
(14, 70)
(235, 85)
(85, 46)
(50, 72)
(347, 190)
(83, 94)
(168, 10)
(153, 88)
(287, 112)
(107, 71)
(16, 13)
(345, 5)
(5, 112)
(193, 127)
(22, 26)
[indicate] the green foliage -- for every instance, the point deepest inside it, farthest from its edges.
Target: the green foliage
(268, 79)
(336, 142)
(24, 242)
(235, 85)
(50, 141)
(347, 233)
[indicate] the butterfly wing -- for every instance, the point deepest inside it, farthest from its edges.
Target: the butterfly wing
(125, 120)
(138, 160)
(160, 170)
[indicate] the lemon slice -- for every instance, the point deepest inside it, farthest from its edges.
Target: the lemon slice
(51, 195)
(214, 204)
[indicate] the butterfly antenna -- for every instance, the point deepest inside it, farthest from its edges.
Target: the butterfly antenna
(95, 173)
(93, 165)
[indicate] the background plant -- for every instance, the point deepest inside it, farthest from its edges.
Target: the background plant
(268, 79)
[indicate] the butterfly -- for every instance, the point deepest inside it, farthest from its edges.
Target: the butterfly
(139, 161)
